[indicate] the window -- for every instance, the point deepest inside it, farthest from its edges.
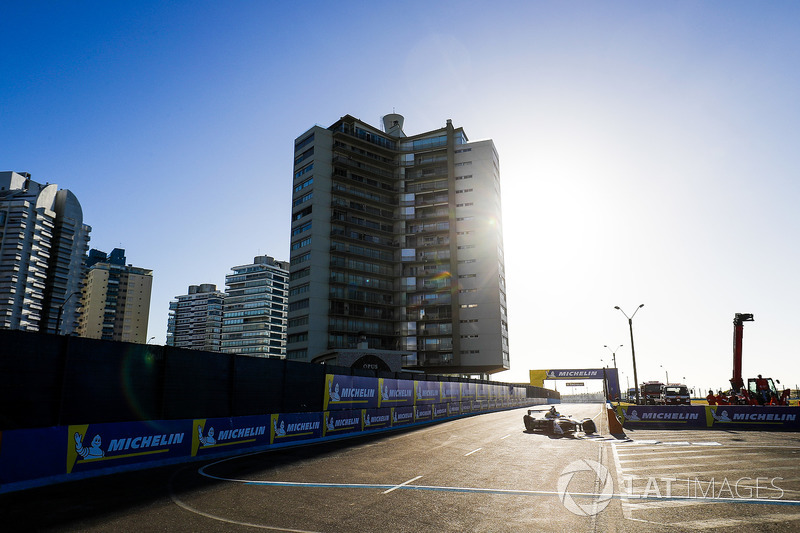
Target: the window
(300, 304)
(304, 142)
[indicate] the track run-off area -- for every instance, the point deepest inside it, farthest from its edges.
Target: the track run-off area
(482, 473)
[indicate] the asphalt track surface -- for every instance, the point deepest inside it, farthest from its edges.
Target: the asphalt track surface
(482, 473)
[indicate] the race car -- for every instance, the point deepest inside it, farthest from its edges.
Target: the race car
(554, 423)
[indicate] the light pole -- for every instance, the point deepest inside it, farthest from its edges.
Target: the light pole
(613, 353)
(61, 311)
(633, 350)
(665, 373)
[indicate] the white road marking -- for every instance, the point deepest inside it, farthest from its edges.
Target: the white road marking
(401, 484)
(501, 438)
(473, 451)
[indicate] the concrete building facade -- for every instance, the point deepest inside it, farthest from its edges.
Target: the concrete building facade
(254, 314)
(116, 299)
(195, 319)
(43, 244)
(397, 241)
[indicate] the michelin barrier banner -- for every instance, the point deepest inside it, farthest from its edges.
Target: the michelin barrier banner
(735, 417)
(99, 446)
(212, 434)
(395, 392)
(426, 392)
(354, 404)
(350, 392)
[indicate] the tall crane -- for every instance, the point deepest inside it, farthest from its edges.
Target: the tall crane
(738, 332)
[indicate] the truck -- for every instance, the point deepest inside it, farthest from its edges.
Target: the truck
(650, 392)
(675, 394)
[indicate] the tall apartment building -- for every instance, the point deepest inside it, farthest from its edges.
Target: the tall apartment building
(43, 244)
(116, 299)
(195, 319)
(398, 239)
(254, 315)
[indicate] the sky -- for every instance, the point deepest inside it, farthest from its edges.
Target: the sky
(648, 151)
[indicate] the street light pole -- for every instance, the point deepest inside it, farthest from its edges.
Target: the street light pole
(633, 350)
(61, 311)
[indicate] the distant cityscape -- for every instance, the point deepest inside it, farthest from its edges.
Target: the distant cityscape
(396, 259)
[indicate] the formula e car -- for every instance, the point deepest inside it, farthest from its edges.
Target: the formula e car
(554, 423)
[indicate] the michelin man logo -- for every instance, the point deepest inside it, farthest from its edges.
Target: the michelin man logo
(601, 500)
(93, 452)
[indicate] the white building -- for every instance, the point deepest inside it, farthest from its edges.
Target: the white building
(195, 319)
(43, 244)
(116, 299)
(397, 241)
(254, 316)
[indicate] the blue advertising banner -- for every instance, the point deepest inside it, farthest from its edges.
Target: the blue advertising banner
(440, 410)
(426, 392)
(395, 392)
(377, 418)
(97, 446)
(467, 391)
(211, 434)
(454, 408)
(402, 415)
(770, 418)
(350, 392)
(735, 417)
(662, 416)
(449, 391)
(339, 422)
(423, 413)
(32, 453)
(481, 391)
(291, 427)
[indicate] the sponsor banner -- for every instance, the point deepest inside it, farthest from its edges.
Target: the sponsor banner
(440, 410)
(481, 391)
(450, 391)
(454, 408)
(402, 415)
(493, 403)
(339, 422)
(213, 435)
(32, 453)
(735, 417)
(395, 392)
(661, 416)
(295, 426)
(467, 391)
(350, 392)
(584, 373)
(99, 446)
(775, 417)
(426, 392)
(423, 413)
(377, 418)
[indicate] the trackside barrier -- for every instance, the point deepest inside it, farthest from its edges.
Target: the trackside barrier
(719, 417)
(614, 423)
(355, 406)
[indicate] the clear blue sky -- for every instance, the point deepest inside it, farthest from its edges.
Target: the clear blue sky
(649, 150)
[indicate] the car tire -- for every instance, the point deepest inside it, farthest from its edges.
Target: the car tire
(589, 426)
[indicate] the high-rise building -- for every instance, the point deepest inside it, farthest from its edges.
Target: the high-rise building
(116, 299)
(254, 316)
(195, 319)
(43, 244)
(398, 240)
